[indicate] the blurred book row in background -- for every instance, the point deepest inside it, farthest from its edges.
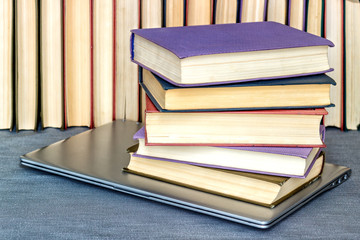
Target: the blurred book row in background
(67, 62)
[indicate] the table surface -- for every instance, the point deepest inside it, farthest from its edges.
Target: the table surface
(39, 205)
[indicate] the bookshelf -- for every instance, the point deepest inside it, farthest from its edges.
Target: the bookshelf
(123, 93)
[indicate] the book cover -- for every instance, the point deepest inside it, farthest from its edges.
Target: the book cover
(265, 190)
(312, 79)
(189, 120)
(150, 108)
(191, 41)
(302, 152)
(206, 92)
(281, 152)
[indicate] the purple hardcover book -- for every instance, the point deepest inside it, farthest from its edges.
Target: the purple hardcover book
(300, 152)
(194, 41)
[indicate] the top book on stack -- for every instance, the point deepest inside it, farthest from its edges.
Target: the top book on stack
(226, 53)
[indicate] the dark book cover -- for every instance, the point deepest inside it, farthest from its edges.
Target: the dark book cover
(313, 79)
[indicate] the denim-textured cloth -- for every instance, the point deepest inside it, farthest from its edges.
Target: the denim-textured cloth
(39, 205)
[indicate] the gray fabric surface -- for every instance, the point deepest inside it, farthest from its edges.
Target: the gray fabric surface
(38, 205)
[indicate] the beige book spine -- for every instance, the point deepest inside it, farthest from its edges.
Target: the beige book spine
(253, 10)
(126, 81)
(199, 12)
(26, 84)
(51, 63)
(174, 13)
(226, 11)
(151, 17)
(352, 105)
(78, 62)
(277, 11)
(6, 65)
(334, 32)
(296, 12)
(103, 17)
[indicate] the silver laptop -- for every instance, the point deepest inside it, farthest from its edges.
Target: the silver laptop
(98, 156)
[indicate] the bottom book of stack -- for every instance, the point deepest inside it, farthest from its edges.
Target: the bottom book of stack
(265, 190)
(263, 176)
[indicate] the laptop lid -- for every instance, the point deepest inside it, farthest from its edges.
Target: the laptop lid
(98, 156)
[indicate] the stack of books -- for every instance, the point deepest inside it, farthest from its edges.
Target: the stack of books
(232, 109)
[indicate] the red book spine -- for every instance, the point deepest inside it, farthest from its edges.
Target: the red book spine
(63, 62)
(114, 59)
(343, 68)
(91, 66)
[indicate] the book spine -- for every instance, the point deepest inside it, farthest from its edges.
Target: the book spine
(328, 6)
(343, 64)
(140, 114)
(91, 64)
(114, 62)
(304, 14)
(226, 12)
(208, 7)
(30, 120)
(248, 7)
(16, 66)
(265, 9)
(13, 70)
(165, 4)
(344, 118)
(238, 11)
(37, 76)
(63, 62)
(323, 17)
